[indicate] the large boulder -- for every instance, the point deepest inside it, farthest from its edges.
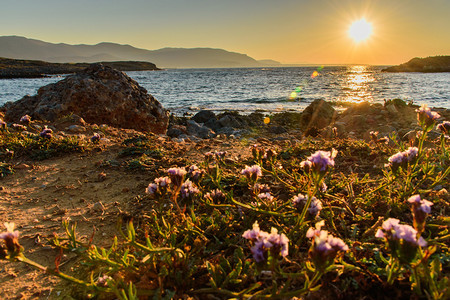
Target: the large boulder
(318, 114)
(100, 95)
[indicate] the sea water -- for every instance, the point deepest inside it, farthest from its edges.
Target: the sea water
(185, 91)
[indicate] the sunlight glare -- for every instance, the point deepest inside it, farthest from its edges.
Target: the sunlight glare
(360, 30)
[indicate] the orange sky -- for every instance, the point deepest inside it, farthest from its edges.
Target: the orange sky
(311, 32)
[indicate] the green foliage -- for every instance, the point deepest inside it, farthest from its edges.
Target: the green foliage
(39, 148)
(187, 240)
(5, 169)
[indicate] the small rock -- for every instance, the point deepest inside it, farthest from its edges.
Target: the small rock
(203, 116)
(99, 207)
(438, 187)
(392, 109)
(195, 129)
(101, 176)
(76, 128)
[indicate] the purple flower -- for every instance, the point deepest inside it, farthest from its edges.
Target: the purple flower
(421, 204)
(26, 119)
(95, 138)
(195, 173)
(270, 154)
(18, 127)
(320, 161)
(151, 189)
(420, 209)
(259, 250)
(188, 190)
(315, 231)
(315, 207)
(263, 242)
(103, 280)
(176, 175)
(252, 173)
(11, 237)
(255, 233)
(426, 117)
(393, 230)
(265, 196)
(401, 159)
(216, 196)
(324, 246)
(46, 133)
(444, 127)
(163, 181)
(280, 242)
(261, 188)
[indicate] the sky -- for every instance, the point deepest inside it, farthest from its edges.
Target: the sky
(288, 31)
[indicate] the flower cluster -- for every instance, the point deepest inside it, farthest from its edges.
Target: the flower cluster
(18, 127)
(401, 159)
(176, 175)
(252, 173)
(260, 153)
(402, 239)
(265, 196)
(261, 188)
(3, 124)
(426, 117)
(265, 244)
(11, 239)
(46, 133)
(324, 247)
(195, 173)
(26, 119)
(444, 127)
(216, 196)
(300, 201)
(320, 161)
(95, 138)
(420, 210)
(188, 190)
(217, 154)
(160, 186)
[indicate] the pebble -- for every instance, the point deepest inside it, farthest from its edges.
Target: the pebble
(99, 207)
(76, 128)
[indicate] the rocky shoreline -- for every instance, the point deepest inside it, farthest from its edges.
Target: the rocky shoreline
(102, 96)
(16, 68)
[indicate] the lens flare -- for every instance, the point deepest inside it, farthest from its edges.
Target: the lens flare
(295, 95)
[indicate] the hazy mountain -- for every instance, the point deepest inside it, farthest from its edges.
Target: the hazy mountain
(24, 48)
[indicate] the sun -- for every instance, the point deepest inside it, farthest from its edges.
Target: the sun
(360, 30)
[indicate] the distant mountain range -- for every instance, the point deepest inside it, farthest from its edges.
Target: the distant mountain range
(30, 49)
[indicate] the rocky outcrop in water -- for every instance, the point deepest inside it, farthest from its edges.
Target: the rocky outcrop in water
(430, 64)
(18, 68)
(100, 95)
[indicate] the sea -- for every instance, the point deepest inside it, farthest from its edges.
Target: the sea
(269, 90)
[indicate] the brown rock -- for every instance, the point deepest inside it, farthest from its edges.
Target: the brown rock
(99, 95)
(318, 114)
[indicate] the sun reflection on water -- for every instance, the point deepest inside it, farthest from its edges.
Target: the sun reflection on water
(357, 84)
